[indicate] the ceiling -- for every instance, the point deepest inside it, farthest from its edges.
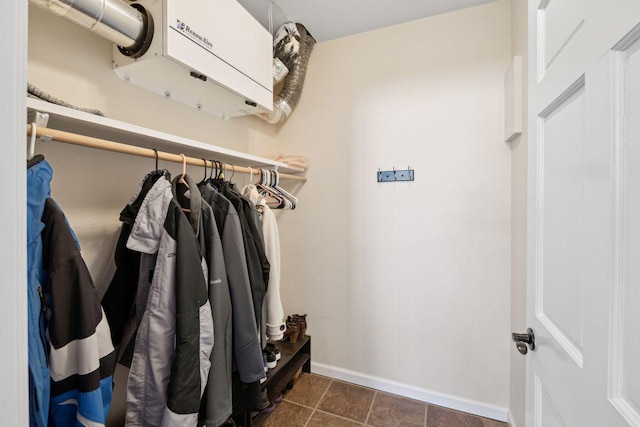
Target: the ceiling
(332, 19)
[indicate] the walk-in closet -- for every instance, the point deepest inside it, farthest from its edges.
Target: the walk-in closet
(281, 213)
(393, 277)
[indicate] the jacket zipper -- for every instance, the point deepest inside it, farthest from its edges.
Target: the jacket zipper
(43, 310)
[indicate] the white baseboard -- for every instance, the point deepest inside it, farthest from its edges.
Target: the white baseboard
(510, 420)
(417, 393)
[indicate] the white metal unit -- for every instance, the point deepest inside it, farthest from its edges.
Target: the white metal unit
(210, 54)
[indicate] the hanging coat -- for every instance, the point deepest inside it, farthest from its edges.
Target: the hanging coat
(124, 286)
(173, 345)
(217, 403)
(39, 176)
(273, 311)
(81, 356)
(257, 263)
(246, 347)
(65, 320)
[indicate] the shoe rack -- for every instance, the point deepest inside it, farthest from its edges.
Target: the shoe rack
(295, 356)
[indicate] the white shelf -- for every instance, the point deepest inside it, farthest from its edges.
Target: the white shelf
(70, 120)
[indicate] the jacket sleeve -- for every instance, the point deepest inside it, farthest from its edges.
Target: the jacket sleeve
(258, 237)
(275, 312)
(194, 329)
(81, 356)
(246, 345)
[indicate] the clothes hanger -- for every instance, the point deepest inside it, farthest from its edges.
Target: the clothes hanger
(213, 175)
(266, 190)
(32, 142)
(287, 204)
(156, 153)
(184, 170)
(274, 179)
(214, 164)
(205, 170)
(32, 159)
(157, 171)
(181, 180)
(233, 172)
(293, 199)
(249, 190)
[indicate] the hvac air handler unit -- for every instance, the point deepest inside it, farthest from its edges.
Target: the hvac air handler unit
(210, 54)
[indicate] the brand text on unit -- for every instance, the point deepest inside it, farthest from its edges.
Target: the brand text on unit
(183, 27)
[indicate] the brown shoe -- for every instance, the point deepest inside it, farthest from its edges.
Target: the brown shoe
(293, 330)
(301, 319)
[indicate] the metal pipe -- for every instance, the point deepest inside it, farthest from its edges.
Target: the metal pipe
(112, 19)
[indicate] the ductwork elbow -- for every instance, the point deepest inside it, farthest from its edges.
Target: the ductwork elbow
(287, 100)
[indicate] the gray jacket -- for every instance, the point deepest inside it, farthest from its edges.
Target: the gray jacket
(170, 363)
(246, 346)
(219, 388)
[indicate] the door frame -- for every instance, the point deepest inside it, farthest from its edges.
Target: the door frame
(13, 252)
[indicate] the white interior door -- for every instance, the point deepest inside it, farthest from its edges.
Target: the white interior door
(583, 255)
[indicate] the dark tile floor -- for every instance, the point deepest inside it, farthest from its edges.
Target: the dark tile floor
(318, 401)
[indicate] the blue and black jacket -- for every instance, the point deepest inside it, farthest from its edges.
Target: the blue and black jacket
(81, 358)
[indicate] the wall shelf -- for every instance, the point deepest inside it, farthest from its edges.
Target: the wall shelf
(70, 120)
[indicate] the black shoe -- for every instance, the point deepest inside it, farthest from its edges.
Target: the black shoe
(271, 358)
(274, 349)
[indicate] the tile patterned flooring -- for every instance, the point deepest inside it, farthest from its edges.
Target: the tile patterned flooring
(318, 401)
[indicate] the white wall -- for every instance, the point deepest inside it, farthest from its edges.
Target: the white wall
(407, 284)
(518, 223)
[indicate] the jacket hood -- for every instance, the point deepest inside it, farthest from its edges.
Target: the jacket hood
(148, 226)
(39, 177)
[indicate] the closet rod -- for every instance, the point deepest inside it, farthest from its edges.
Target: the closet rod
(103, 144)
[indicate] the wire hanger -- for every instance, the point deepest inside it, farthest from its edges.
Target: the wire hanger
(205, 169)
(214, 164)
(213, 175)
(157, 170)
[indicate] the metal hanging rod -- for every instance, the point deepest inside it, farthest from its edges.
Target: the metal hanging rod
(103, 144)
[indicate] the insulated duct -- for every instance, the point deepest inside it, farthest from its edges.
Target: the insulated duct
(293, 46)
(128, 26)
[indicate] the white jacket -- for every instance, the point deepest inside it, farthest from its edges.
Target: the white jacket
(272, 304)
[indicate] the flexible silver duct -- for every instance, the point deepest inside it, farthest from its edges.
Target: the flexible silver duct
(37, 93)
(112, 19)
(296, 60)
